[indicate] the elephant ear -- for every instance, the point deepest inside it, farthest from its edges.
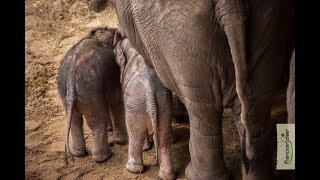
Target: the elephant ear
(121, 59)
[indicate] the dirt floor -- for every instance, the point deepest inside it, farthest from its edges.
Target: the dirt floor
(52, 27)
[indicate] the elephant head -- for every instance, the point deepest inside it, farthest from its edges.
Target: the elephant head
(97, 5)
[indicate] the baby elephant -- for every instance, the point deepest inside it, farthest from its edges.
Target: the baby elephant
(145, 98)
(89, 86)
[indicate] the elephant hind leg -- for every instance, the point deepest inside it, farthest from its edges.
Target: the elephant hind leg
(78, 148)
(146, 144)
(173, 138)
(205, 144)
(96, 117)
(165, 136)
(137, 131)
(116, 111)
(260, 166)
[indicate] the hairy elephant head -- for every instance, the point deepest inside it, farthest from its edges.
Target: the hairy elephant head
(98, 5)
(105, 35)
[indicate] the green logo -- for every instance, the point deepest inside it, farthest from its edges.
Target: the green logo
(289, 147)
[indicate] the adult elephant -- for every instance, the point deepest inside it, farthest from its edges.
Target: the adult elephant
(216, 54)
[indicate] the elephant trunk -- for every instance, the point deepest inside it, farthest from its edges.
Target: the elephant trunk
(232, 19)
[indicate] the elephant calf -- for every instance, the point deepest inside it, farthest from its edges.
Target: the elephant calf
(145, 98)
(89, 86)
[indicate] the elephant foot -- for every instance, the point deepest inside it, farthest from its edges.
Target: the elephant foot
(192, 174)
(78, 152)
(146, 146)
(101, 157)
(166, 176)
(133, 167)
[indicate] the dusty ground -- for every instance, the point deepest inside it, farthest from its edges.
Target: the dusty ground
(52, 27)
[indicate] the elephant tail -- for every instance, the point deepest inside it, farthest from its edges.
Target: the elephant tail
(239, 61)
(70, 98)
(236, 39)
(231, 16)
(153, 113)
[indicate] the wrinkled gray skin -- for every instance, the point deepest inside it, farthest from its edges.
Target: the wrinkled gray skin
(146, 100)
(89, 86)
(216, 54)
(291, 91)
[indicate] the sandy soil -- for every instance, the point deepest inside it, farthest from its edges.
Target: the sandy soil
(52, 27)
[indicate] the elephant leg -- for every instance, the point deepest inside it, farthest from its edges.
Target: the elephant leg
(205, 144)
(118, 122)
(96, 117)
(109, 123)
(146, 144)
(291, 92)
(172, 136)
(164, 144)
(260, 166)
(78, 148)
(137, 131)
